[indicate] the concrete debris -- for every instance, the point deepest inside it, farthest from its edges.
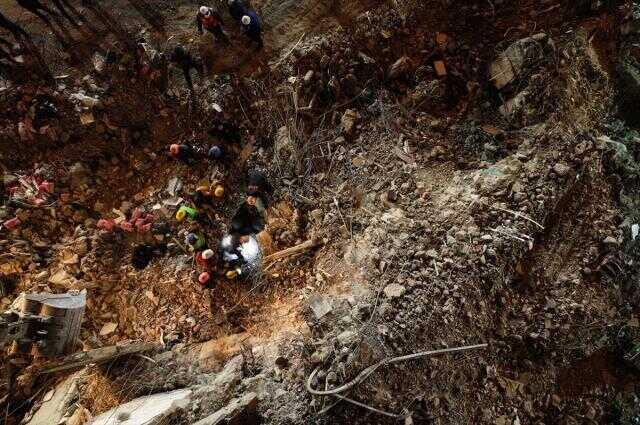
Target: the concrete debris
(394, 290)
(320, 305)
(400, 68)
(561, 169)
(240, 411)
(523, 55)
(151, 410)
(58, 406)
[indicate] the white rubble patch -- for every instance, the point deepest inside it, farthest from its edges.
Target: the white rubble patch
(58, 404)
(150, 410)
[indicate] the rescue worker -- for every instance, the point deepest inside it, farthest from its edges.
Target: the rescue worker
(215, 153)
(195, 241)
(259, 183)
(241, 255)
(186, 62)
(151, 65)
(249, 218)
(252, 29)
(211, 20)
(237, 9)
(184, 153)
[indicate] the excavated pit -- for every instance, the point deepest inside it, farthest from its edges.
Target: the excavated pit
(406, 180)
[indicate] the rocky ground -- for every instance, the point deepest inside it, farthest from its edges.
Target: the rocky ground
(468, 173)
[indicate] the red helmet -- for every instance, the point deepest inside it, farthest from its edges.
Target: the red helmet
(204, 278)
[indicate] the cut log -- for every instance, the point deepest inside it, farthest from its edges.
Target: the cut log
(99, 355)
(303, 247)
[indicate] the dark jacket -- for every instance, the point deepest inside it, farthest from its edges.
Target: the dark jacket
(259, 180)
(247, 221)
(186, 62)
(237, 10)
(214, 21)
(254, 27)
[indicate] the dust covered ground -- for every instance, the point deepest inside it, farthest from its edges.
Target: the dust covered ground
(446, 208)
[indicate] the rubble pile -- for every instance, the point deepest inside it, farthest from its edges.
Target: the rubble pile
(451, 235)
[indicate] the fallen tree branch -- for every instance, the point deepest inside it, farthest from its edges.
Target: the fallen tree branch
(303, 247)
(99, 355)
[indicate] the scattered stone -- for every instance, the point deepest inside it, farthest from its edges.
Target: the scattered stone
(347, 338)
(348, 122)
(561, 169)
(108, 329)
(400, 68)
(320, 306)
(241, 410)
(394, 290)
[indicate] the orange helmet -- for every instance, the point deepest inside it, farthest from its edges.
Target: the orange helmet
(174, 149)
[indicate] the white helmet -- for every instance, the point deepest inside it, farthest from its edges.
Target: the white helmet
(246, 20)
(207, 254)
(204, 10)
(230, 2)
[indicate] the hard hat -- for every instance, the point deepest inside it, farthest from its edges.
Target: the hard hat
(230, 2)
(215, 152)
(246, 20)
(174, 149)
(218, 192)
(191, 239)
(207, 254)
(204, 278)
(205, 10)
(181, 215)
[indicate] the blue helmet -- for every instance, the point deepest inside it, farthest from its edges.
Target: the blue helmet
(192, 239)
(215, 152)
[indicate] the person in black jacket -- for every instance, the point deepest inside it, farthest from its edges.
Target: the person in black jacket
(186, 62)
(248, 220)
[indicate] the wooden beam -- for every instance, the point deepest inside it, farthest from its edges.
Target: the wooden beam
(303, 247)
(99, 355)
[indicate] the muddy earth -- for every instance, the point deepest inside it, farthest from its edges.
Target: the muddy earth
(453, 235)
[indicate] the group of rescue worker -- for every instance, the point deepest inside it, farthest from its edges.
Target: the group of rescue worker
(207, 19)
(210, 20)
(151, 64)
(237, 255)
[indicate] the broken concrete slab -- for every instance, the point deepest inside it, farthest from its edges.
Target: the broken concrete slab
(149, 410)
(241, 411)
(320, 306)
(59, 403)
(523, 55)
